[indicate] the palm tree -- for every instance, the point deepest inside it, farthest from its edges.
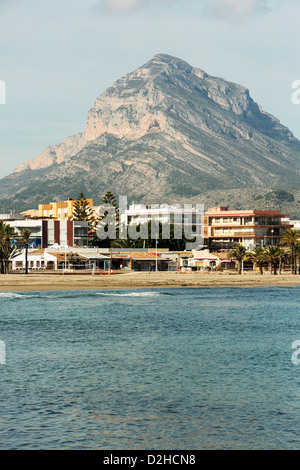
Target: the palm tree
(123, 243)
(7, 251)
(273, 253)
(25, 238)
(257, 256)
(239, 253)
(289, 239)
(1, 247)
(10, 252)
(282, 254)
(297, 256)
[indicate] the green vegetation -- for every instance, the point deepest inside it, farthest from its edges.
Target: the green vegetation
(110, 199)
(7, 250)
(82, 211)
(279, 195)
(238, 253)
(257, 256)
(274, 256)
(172, 243)
(290, 240)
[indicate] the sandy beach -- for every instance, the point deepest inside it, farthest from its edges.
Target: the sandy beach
(138, 280)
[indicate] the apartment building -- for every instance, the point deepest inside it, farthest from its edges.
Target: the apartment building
(46, 233)
(224, 228)
(187, 219)
(55, 210)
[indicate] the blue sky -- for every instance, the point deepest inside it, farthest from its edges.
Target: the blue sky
(58, 56)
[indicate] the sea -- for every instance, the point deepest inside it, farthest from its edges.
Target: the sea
(193, 368)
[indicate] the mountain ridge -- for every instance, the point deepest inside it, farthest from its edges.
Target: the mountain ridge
(173, 126)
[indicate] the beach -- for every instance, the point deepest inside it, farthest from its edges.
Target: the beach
(145, 280)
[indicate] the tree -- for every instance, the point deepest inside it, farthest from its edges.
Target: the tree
(289, 239)
(108, 199)
(297, 256)
(257, 256)
(1, 247)
(10, 252)
(172, 243)
(82, 211)
(238, 253)
(25, 238)
(273, 253)
(282, 255)
(7, 250)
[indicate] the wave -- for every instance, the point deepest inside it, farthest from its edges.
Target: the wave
(130, 294)
(11, 295)
(56, 295)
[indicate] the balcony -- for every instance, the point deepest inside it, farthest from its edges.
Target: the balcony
(241, 233)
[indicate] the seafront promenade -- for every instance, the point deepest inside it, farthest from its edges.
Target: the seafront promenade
(137, 280)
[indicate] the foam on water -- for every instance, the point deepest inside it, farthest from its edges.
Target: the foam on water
(11, 295)
(130, 294)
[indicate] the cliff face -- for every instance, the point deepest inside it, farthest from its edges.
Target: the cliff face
(54, 154)
(165, 131)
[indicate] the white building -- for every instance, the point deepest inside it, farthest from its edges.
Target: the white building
(187, 220)
(10, 217)
(37, 259)
(295, 224)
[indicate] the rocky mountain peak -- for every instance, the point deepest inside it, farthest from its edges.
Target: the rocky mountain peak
(174, 126)
(151, 99)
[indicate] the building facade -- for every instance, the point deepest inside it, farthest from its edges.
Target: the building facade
(59, 258)
(45, 233)
(224, 229)
(55, 210)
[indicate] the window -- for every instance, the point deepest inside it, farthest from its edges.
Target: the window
(248, 220)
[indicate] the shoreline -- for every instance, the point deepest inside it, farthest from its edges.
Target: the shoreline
(141, 280)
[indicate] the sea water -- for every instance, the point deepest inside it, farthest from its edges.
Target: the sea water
(205, 368)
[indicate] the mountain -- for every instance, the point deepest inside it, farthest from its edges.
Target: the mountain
(166, 132)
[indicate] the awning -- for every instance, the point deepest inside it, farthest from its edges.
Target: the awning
(91, 256)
